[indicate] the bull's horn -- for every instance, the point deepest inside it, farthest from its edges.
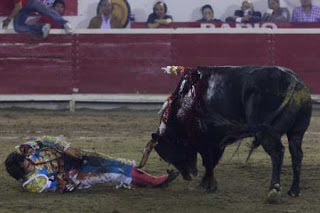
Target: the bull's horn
(146, 152)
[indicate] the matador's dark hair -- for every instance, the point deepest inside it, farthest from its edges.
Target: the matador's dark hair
(13, 165)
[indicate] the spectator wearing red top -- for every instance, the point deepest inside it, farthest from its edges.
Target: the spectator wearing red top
(59, 7)
(22, 10)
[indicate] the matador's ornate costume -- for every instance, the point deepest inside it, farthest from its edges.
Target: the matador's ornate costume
(54, 169)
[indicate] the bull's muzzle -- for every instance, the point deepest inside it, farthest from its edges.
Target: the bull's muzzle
(146, 152)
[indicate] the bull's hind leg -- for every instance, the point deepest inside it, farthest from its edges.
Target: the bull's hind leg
(295, 141)
(295, 137)
(272, 145)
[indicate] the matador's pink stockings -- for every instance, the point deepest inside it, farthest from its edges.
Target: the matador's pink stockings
(141, 178)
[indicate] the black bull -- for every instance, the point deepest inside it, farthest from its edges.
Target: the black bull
(216, 106)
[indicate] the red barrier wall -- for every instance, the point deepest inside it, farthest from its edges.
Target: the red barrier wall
(32, 66)
(301, 54)
(131, 63)
(124, 63)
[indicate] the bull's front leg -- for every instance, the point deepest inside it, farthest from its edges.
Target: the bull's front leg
(210, 159)
(192, 163)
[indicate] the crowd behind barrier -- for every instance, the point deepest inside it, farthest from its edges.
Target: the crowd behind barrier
(141, 56)
(272, 25)
(307, 12)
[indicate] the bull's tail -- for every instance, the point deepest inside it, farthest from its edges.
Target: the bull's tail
(290, 91)
(268, 123)
(255, 144)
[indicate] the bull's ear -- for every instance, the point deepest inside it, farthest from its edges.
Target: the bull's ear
(154, 136)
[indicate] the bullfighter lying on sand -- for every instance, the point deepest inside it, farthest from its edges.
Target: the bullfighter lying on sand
(51, 164)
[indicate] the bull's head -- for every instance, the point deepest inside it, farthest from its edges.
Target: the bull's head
(173, 150)
(171, 141)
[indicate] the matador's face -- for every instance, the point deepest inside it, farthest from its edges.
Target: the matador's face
(28, 166)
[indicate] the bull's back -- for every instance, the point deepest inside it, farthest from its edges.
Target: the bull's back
(233, 90)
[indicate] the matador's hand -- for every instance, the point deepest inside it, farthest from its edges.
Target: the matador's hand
(69, 187)
(65, 186)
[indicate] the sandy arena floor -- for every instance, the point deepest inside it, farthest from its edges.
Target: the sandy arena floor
(124, 133)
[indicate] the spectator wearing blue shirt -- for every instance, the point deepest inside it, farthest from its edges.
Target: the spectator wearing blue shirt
(21, 11)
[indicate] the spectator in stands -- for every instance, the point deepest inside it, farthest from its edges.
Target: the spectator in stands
(246, 14)
(275, 13)
(307, 12)
(208, 15)
(104, 18)
(159, 16)
(22, 10)
(59, 7)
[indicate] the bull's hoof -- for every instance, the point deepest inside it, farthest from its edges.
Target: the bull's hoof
(274, 196)
(211, 189)
(209, 184)
(186, 176)
(194, 172)
(294, 193)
